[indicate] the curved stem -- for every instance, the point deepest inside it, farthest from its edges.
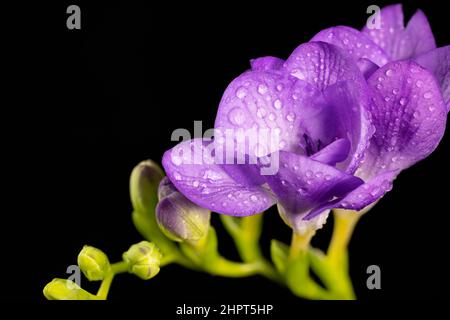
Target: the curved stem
(246, 234)
(116, 268)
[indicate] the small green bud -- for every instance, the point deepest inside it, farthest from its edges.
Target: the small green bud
(143, 259)
(63, 289)
(94, 263)
(179, 218)
(144, 181)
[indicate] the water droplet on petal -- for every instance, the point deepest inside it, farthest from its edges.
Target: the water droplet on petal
(262, 89)
(277, 104)
(236, 116)
(241, 92)
(395, 90)
(419, 83)
(261, 113)
(253, 198)
(389, 72)
(272, 117)
(290, 117)
(427, 95)
(177, 176)
(402, 101)
(195, 184)
(279, 87)
(416, 114)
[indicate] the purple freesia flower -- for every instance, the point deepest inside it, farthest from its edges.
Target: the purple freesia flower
(341, 142)
(373, 48)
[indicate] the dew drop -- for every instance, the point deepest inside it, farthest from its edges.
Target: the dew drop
(427, 95)
(389, 72)
(262, 89)
(241, 92)
(402, 101)
(195, 184)
(277, 104)
(261, 113)
(416, 114)
(290, 117)
(419, 83)
(280, 87)
(177, 176)
(395, 90)
(236, 116)
(272, 117)
(253, 198)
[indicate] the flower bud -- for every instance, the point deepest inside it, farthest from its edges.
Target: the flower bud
(144, 181)
(94, 263)
(166, 188)
(63, 289)
(143, 259)
(179, 218)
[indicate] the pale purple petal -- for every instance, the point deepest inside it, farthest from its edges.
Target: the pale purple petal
(333, 153)
(354, 42)
(302, 184)
(367, 67)
(400, 42)
(269, 107)
(192, 168)
(362, 196)
(322, 64)
(266, 63)
(438, 62)
(409, 115)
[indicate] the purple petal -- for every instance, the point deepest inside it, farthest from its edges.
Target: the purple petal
(333, 153)
(349, 119)
(356, 43)
(268, 106)
(362, 196)
(409, 115)
(400, 42)
(367, 67)
(438, 62)
(192, 168)
(302, 184)
(266, 63)
(322, 65)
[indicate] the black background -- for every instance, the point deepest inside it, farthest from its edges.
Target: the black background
(87, 105)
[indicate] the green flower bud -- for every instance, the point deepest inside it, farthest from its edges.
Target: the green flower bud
(143, 259)
(144, 181)
(94, 263)
(178, 217)
(63, 289)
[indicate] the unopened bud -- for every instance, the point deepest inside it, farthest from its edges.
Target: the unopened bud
(144, 183)
(143, 259)
(94, 263)
(63, 289)
(179, 218)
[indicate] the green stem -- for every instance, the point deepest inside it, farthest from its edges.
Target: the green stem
(116, 268)
(246, 235)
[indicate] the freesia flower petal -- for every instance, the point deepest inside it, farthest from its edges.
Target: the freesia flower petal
(356, 43)
(302, 183)
(362, 196)
(367, 67)
(409, 115)
(266, 63)
(438, 62)
(322, 64)
(400, 42)
(333, 153)
(192, 168)
(265, 107)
